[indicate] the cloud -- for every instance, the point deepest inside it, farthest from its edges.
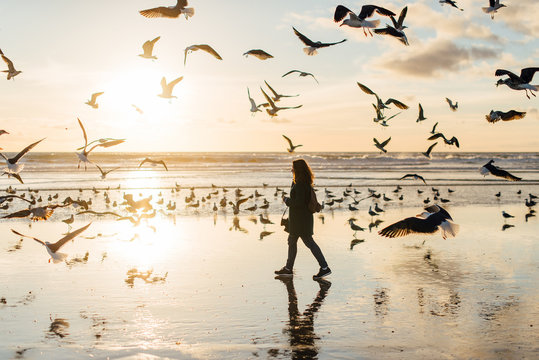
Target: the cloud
(436, 57)
(521, 16)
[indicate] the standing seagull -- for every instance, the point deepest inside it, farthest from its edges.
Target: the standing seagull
(494, 6)
(397, 30)
(147, 47)
(301, 74)
(169, 12)
(521, 82)
(92, 101)
(433, 218)
(292, 146)
(11, 72)
(421, 116)
(254, 108)
(381, 145)
(13, 166)
(496, 171)
(203, 47)
(311, 45)
(274, 109)
(53, 248)
(359, 21)
(505, 116)
(258, 53)
(167, 88)
(452, 106)
(452, 3)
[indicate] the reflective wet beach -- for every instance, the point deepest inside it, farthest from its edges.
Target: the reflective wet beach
(195, 285)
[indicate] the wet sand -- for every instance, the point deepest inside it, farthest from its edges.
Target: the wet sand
(198, 286)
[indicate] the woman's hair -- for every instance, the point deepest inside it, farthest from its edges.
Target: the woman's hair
(302, 172)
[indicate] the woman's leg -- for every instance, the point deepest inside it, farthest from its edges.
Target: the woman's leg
(315, 249)
(292, 251)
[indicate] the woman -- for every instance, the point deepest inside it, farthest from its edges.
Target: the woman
(301, 220)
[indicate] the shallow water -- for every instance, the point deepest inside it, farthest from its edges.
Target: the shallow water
(192, 285)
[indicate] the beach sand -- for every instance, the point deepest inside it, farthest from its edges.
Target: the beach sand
(194, 285)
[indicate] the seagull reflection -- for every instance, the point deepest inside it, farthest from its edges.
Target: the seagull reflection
(300, 327)
(58, 328)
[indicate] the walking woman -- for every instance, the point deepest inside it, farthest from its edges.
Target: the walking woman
(301, 220)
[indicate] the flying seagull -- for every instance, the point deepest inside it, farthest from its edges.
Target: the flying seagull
(505, 116)
(139, 110)
(415, 177)
(452, 141)
(452, 106)
(105, 173)
(397, 30)
(301, 74)
(11, 72)
(276, 96)
(13, 166)
(37, 213)
(421, 116)
(254, 107)
(147, 47)
(381, 145)
(433, 131)
(292, 146)
(167, 88)
(452, 3)
(258, 53)
(521, 82)
(427, 153)
(359, 21)
(83, 155)
(434, 218)
(311, 45)
(52, 248)
(170, 11)
(496, 171)
(380, 104)
(153, 162)
(92, 101)
(494, 6)
(203, 47)
(274, 109)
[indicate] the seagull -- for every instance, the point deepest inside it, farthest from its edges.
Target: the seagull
(105, 173)
(170, 12)
(292, 146)
(35, 214)
(427, 153)
(139, 110)
(203, 47)
(83, 155)
(301, 74)
(397, 30)
(311, 45)
(494, 6)
(495, 116)
(358, 21)
(381, 145)
(380, 104)
(433, 218)
(496, 171)
(92, 101)
(421, 116)
(452, 141)
(276, 97)
(254, 106)
(13, 167)
(53, 248)
(450, 2)
(415, 177)
(521, 82)
(258, 53)
(506, 215)
(354, 226)
(371, 212)
(147, 47)
(2, 132)
(274, 109)
(11, 72)
(167, 88)
(433, 131)
(153, 162)
(452, 106)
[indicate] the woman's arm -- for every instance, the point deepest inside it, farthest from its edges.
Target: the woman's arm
(298, 196)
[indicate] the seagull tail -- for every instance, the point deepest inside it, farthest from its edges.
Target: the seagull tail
(449, 229)
(310, 51)
(188, 12)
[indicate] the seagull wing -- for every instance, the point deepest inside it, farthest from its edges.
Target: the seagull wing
(268, 99)
(162, 162)
(261, 54)
(401, 17)
(368, 11)
(95, 95)
(385, 142)
(397, 103)
(512, 115)
(290, 72)
(376, 142)
(434, 128)
(18, 214)
(303, 38)
(388, 30)
(30, 237)
(436, 136)
(209, 50)
(57, 245)
(408, 226)
(18, 177)
(496, 171)
(8, 62)
(289, 141)
(24, 151)
(421, 111)
(406, 176)
(527, 74)
(174, 82)
(329, 44)
(144, 161)
(271, 89)
(501, 72)
(455, 141)
(161, 11)
(430, 148)
(366, 89)
(449, 102)
(341, 12)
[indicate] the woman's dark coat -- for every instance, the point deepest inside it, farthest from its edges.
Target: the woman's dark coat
(300, 218)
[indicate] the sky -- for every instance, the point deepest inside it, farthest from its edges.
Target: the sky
(68, 50)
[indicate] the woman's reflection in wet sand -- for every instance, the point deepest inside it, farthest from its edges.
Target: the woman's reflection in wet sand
(300, 327)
